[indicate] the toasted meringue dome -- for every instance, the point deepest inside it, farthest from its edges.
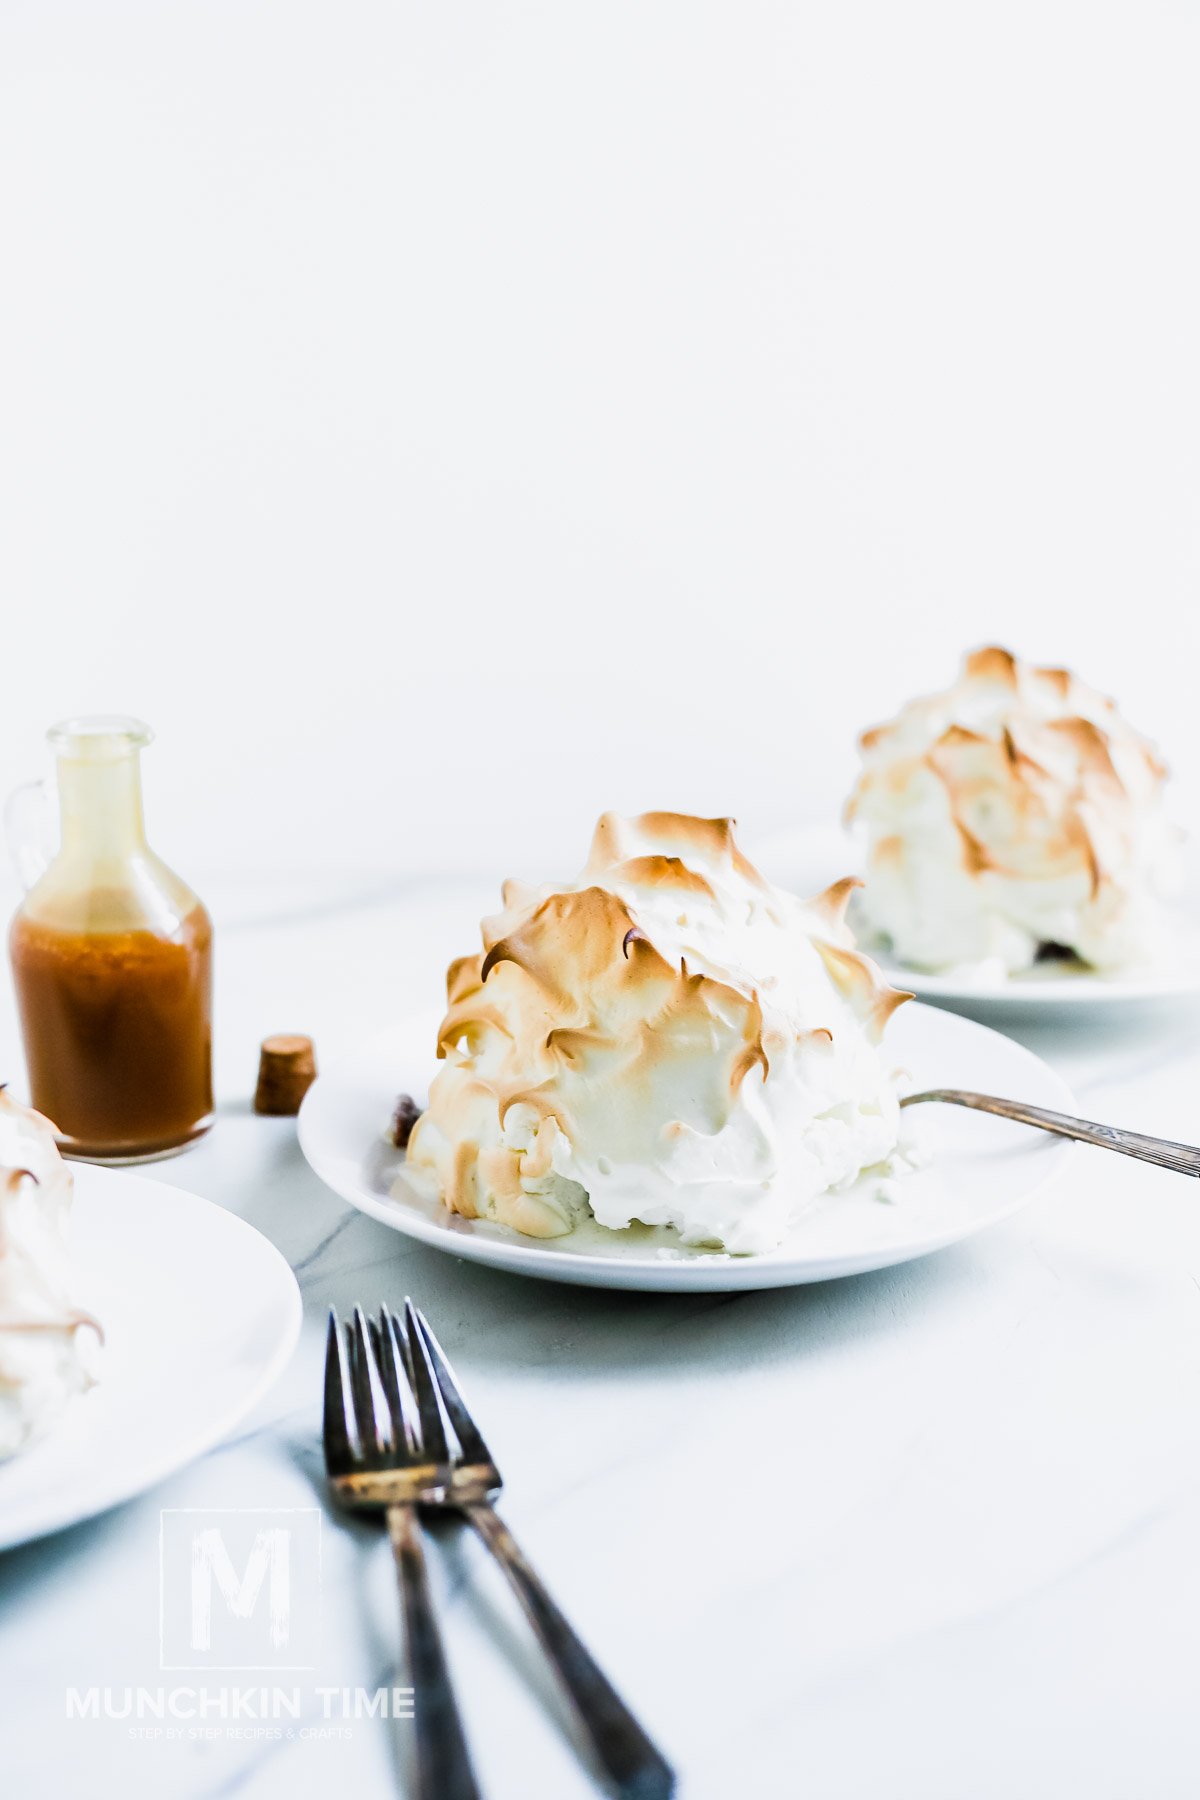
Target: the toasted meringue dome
(1016, 809)
(43, 1357)
(669, 1039)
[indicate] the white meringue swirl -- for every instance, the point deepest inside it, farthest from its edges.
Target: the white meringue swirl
(43, 1358)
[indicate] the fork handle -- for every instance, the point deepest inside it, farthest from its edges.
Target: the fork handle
(443, 1763)
(636, 1769)
(1183, 1158)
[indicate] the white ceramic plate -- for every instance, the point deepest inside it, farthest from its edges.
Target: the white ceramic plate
(980, 1170)
(808, 859)
(200, 1315)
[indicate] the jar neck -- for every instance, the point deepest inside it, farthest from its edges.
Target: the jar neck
(100, 806)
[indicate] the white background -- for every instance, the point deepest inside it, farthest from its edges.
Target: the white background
(442, 421)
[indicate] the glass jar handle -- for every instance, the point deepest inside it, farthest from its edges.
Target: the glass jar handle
(30, 830)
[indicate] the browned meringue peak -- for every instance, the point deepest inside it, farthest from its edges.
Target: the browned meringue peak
(618, 1020)
(1027, 785)
(671, 835)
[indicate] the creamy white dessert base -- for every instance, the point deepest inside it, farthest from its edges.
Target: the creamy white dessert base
(670, 1039)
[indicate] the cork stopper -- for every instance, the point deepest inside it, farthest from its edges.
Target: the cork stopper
(287, 1068)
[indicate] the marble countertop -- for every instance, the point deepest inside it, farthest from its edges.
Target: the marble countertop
(921, 1535)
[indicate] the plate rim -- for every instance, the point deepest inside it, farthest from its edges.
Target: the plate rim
(720, 1275)
(25, 1529)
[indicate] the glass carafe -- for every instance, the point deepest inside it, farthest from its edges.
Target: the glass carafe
(112, 962)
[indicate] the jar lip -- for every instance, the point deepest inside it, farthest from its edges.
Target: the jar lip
(98, 733)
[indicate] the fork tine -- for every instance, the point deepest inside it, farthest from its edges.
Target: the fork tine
(397, 1381)
(433, 1428)
(387, 1375)
(370, 1402)
(469, 1436)
(339, 1452)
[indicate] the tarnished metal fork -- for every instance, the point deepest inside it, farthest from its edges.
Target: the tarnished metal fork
(377, 1458)
(1183, 1158)
(635, 1768)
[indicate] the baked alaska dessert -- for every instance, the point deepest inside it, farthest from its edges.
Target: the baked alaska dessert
(44, 1352)
(668, 1039)
(1014, 815)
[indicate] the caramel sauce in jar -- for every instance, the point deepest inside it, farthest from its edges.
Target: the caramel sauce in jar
(112, 961)
(117, 1028)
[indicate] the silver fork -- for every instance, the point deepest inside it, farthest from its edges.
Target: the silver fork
(636, 1769)
(376, 1458)
(1183, 1158)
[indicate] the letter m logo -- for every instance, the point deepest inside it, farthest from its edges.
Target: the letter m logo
(269, 1565)
(240, 1588)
